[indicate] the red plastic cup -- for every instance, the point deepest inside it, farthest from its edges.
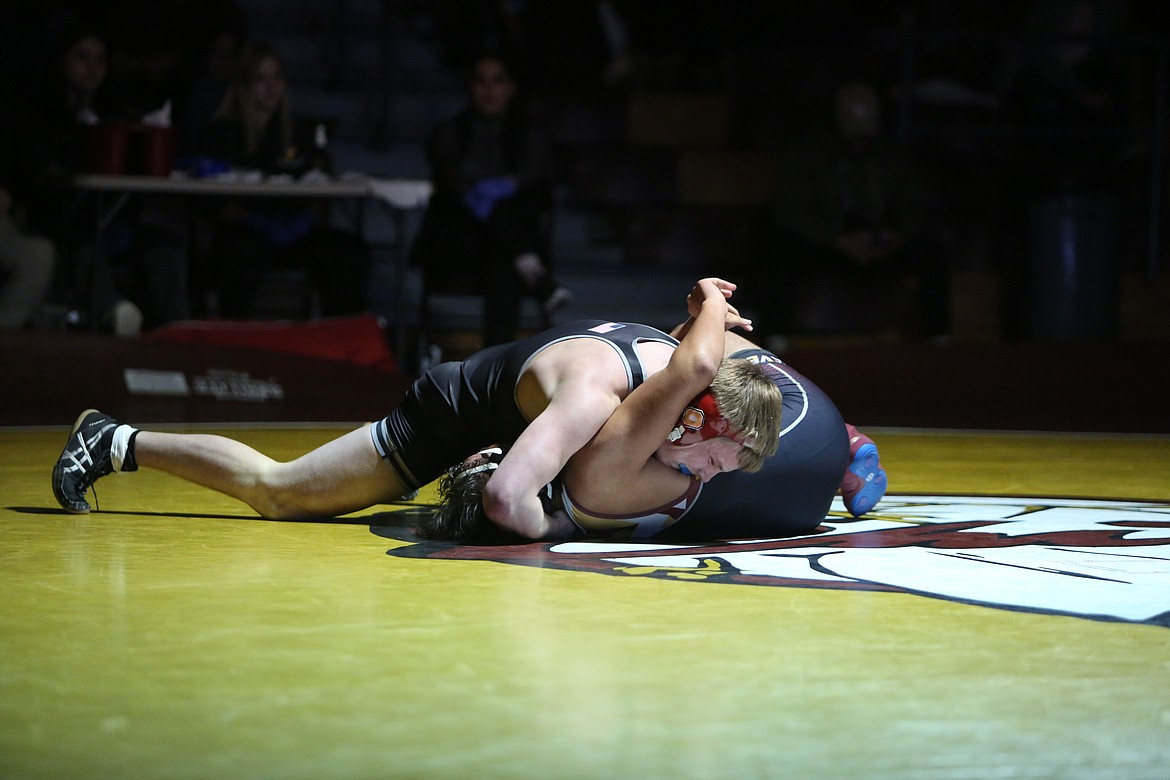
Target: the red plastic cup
(158, 150)
(110, 147)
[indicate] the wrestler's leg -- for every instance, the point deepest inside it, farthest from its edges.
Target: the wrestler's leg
(343, 475)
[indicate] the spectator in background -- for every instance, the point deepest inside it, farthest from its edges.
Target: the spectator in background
(850, 207)
(255, 129)
(137, 265)
(26, 259)
(26, 266)
(488, 220)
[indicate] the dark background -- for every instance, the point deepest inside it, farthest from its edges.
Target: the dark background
(962, 94)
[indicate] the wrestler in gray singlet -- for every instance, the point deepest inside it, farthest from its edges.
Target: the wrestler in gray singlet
(456, 408)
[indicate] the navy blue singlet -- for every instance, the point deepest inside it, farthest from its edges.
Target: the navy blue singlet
(793, 491)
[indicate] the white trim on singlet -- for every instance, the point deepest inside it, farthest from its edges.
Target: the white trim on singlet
(803, 397)
(571, 337)
(625, 361)
(778, 364)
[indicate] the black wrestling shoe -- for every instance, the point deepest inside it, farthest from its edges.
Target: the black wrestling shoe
(85, 459)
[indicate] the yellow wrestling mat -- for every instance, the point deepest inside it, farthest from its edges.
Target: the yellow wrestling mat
(173, 635)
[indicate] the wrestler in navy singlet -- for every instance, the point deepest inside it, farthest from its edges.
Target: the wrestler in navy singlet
(456, 408)
(793, 491)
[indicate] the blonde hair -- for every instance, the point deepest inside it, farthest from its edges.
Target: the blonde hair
(750, 400)
(236, 98)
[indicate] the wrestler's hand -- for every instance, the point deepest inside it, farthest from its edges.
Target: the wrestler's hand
(706, 288)
(733, 319)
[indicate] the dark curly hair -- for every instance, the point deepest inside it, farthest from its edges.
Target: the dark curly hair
(460, 511)
(459, 516)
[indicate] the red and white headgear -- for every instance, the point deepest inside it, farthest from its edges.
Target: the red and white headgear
(702, 420)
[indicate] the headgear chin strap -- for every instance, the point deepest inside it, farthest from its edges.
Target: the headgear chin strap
(702, 420)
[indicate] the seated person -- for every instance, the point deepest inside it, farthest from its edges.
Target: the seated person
(132, 272)
(26, 268)
(487, 220)
(254, 129)
(850, 209)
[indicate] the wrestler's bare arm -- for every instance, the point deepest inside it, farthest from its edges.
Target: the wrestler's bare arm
(736, 343)
(733, 319)
(574, 414)
(617, 459)
(581, 400)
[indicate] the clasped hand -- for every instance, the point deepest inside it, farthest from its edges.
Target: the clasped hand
(712, 287)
